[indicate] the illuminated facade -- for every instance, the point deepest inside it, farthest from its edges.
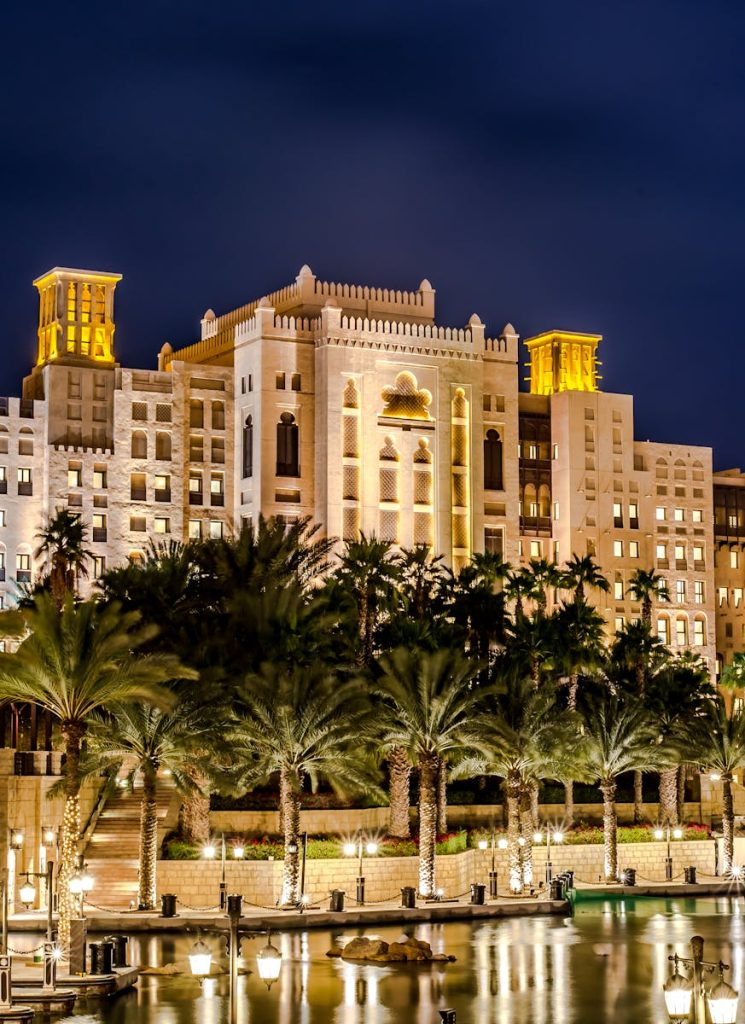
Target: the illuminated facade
(350, 405)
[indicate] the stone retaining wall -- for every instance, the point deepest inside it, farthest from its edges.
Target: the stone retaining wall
(197, 883)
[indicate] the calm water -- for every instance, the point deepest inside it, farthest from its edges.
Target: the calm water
(607, 964)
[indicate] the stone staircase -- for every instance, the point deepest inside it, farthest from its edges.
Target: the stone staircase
(112, 853)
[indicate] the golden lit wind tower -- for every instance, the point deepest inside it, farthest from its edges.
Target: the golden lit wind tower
(76, 316)
(563, 361)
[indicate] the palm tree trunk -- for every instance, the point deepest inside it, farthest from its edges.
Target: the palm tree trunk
(728, 825)
(73, 733)
(610, 829)
(399, 792)
(148, 842)
(512, 788)
(569, 803)
(681, 781)
(535, 816)
(428, 772)
(638, 798)
(669, 796)
(527, 828)
(442, 797)
(194, 815)
(289, 795)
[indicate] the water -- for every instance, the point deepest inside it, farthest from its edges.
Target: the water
(607, 964)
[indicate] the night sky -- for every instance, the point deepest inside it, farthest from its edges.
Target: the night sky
(551, 164)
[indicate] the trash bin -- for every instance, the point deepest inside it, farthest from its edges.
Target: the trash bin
(557, 889)
(336, 903)
(120, 949)
(628, 876)
(408, 897)
(168, 905)
(477, 894)
(690, 875)
(107, 957)
(95, 951)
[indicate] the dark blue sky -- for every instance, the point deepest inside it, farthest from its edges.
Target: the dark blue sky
(578, 165)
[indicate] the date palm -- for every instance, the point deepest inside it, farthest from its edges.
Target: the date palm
(62, 542)
(544, 575)
(302, 724)
(619, 735)
(716, 739)
(429, 708)
(581, 572)
(368, 571)
(145, 740)
(74, 661)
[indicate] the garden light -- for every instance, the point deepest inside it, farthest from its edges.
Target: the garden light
(27, 893)
(722, 1002)
(350, 849)
(208, 852)
(239, 852)
(200, 960)
(269, 963)
(483, 844)
(678, 991)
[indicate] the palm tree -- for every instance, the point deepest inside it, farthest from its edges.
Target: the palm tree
(716, 739)
(646, 585)
(579, 633)
(302, 723)
(618, 736)
(146, 740)
(368, 571)
(581, 572)
(544, 574)
(429, 707)
(74, 661)
(62, 542)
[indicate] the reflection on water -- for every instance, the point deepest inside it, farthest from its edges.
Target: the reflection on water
(607, 964)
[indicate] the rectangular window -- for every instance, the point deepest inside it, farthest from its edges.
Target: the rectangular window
(162, 524)
(218, 450)
(137, 487)
(618, 548)
(634, 514)
(98, 523)
(680, 591)
(137, 524)
(722, 595)
(99, 478)
(617, 514)
(633, 549)
(734, 559)
(556, 510)
(661, 552)
(25, 486)
(681, 632)
(663, 631)
(493, 540)
(620, 622)
(250, 382)
(680, 553)
(535, 549)
(697, 515)
(162, 414)
(698, 552)
(699, 638)
(196, 448)
(659, 513)
(216, 529)
(698, 591)
(280, 382)
(3, 521)
(618, 590)
(195, 529)
(243, 385)
(99, 566)
(75, 478)
(737, 594)
(23, 568)
(139, 410)
(679, 515)
(555, 450)
(295, 382)
(162, 487)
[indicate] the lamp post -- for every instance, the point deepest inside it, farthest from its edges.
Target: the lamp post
(81, 883)
(689, 999)
(558, 837)
(493, 881)
(660, 834)
(358, 849)
(268, 959)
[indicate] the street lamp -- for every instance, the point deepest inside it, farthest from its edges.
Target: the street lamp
(268, 959)
(666, 833)
(552, 833)
(16, 838)
(359, 849)
(49, 835)
(484, 845)
(27, 892)
(688, 999)
(239, 852)
(81, 882)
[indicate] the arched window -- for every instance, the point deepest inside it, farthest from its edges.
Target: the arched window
(287, 446)
(248, 447)
(663, 630)
(162, 446)
(544, 501)
(139, 444)
(493, 461)
(196, 412)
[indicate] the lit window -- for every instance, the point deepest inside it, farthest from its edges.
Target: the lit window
(698, 591)
(722, 592)
(24, 476)
(618, 590)
(619, 623)
(98, 521)
(493, 540)
(99, 566)
(74, 478)
(162, 482)
(195, 529)
(681, 632)
(699, 633)
(556, 451)
(633, 549)
(698, 553)
(633, 510)
(618, 548)
(216, 483)
(216, 529)
(680, 591)
(663, 630)
(617, 511)
(556, 510)
(533, 451)
(162, 524)
(535, 549)
(680, 552)
(697, 515)
(2, 517)
(678, 515)
(732, 521)
(737, 594)
(195, 484)
(520, 548)
(23, 568)
(659, 512)
(734, 559)
(99, 478)
(662, 552)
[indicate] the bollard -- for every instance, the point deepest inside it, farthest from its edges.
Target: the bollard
(477, 894)
(49, 982)
(447, 1017)
(569, 876)
(557, 888)
(168, 905)
(77, 952)
(336, 903)
(493, 885)
(628, 876)
(408, 897)
(690, 875)
(120, 949)
(95, 950)
(107, 957)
